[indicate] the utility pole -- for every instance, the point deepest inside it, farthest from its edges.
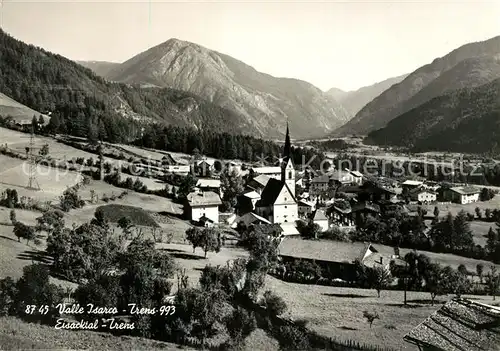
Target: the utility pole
(32, 182)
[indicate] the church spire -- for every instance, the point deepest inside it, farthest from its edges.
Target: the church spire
(287, 152)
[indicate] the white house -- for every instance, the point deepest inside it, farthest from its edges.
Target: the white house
(464, 195)
(305, 208)
(341, 177)
(319, 184)
(321, 219)
(203, 204)
(423, 196)
(357, 177)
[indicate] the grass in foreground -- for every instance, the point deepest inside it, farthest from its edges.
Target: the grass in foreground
(16, 334)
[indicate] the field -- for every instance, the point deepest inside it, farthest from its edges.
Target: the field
(14, 174)
(455, 208)
(136, 215)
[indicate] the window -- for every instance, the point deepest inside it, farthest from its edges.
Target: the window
(285, 198)
(286, 206)
(290, 175)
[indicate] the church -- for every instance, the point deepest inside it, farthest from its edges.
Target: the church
(277, 202)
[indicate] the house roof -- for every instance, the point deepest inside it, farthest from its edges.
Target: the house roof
(261, 180)
(250, 218)
(459, 325)
(305, 203)
(208, 183)
(321, 179)
(466, 190)
(205, 198)
(289, 229)
(412, 182)
(319, 216)
(356, 174)
(366, 206)
(334, 251)
(267, 170)
(340, 175)
(205, 219)
(268, 229)
(252, 195)
(210, 162)
(271, 192)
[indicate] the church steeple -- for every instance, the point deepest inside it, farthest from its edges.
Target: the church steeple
(287, 152)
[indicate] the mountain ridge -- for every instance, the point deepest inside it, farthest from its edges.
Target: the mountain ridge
(354, 100)
(267, 102)
(393, 102)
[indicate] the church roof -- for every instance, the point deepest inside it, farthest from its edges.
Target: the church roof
(271, 192)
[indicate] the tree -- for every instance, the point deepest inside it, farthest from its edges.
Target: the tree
(24, 231)
(380, 278)
(13, 217)
(34, 124)
(70, 200)
(34, 288)
(492, 281)
(370, 317)
(435, 281)
(44, 151)
(479, 214)
(84, 252)
(456, 282)
(195, 236)
(231, 186)
(436, 212)
(187, 186)
(211, 240)
(50, 221)
(487, 213)
(239, 325)
(274, 304)
(8, 293)
(462, 269)
(480, 271)
(126, 225)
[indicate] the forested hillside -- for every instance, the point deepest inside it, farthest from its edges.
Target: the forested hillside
(84, 102)
(466, 120)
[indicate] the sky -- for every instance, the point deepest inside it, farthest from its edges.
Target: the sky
(346, 44)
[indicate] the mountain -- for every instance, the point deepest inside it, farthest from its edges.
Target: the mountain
(464, 120)
(18, 112)
(83, 102)
(267, 102)
(101, 68)
(470, 65)
(353, 101)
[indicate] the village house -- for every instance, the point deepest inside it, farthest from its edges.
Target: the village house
(249, 219)
(463, 195)
(461, 324)
(209, 184)
(319, 184)
(339, 177)
(342, 217)
(272, 171)
(357, 177)
(258, 183)
(336, 259)
(321, 219)
(423, 196)
(411, 184)
(203, 204)
(205, 167)
(305, 208)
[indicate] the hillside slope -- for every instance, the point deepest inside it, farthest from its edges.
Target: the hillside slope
(101, 68)
(465, 120)
(18, 112)
(480, 67)
(353, 101)
(267, 102)
(84, 101)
